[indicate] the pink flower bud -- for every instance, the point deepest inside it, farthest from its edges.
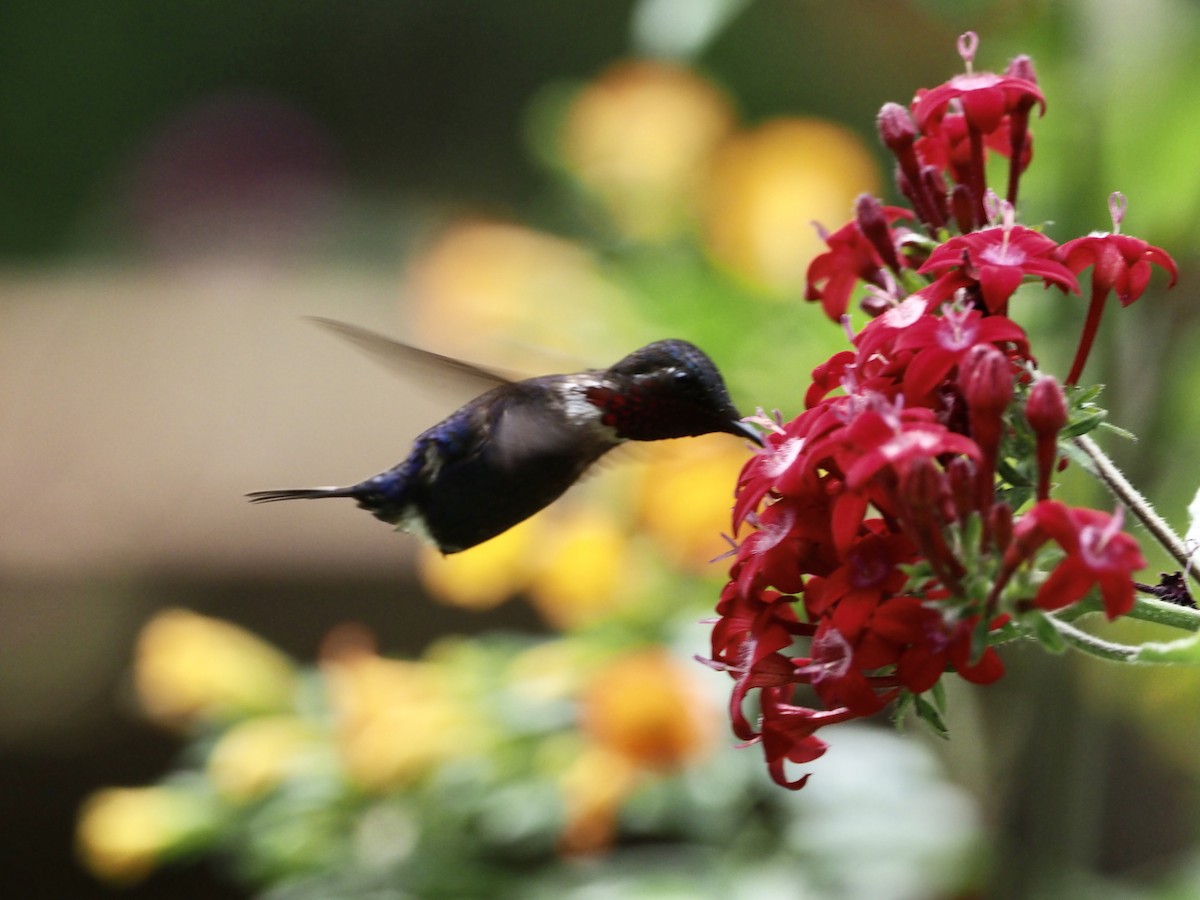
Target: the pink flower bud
(896, 127)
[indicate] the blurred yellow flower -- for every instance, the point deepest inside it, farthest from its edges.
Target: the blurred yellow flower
(489, 291)
(770, 184)
(123, 833)
(640, 138)
(190, 667)
(583, 570)
(548, 671)
(594, 786)
(685, 495)
(255, 756)
(485, 575)
(646, 707)
(396, 720)
(572, 561)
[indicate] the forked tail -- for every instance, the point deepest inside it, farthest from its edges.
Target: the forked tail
(302, 494)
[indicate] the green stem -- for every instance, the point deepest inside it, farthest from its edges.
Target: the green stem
(1137, 504)
(1092, 645)
(1162, 613)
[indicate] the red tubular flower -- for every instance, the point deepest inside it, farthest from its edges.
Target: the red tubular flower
(1020, 149)
(1098, 553)
(987, 101)
(947, 146)
(789, 734)
(876, 553)
(1119, 263)
(899, 135)
(986, 98)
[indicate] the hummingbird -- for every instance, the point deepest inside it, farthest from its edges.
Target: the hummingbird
(519, 446)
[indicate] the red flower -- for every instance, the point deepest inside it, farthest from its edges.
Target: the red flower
(985, 98)
(933, 644)
(941, 342)
(1119, 263)
(1098, 553)
(997, 260)
(881, 547)
(852, 256)
(789, 734)
(947, 146)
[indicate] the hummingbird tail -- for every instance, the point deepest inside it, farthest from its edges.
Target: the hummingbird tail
(302, 494)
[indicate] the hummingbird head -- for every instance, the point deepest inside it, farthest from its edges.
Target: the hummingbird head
(667, 389)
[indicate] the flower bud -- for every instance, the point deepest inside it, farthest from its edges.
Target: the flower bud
(962, 474)
(869, 214)
(986, 379)
(1022, 67)
(1000, 526)
(896, 128)
(1046, 411)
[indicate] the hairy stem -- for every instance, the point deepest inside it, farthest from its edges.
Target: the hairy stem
(1092, 645)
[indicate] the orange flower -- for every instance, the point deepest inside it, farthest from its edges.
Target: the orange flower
(647, 708)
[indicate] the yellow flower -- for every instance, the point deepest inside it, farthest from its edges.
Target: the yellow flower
(516, 288)
(640, 137)
(685, 497)
(547, 672)
(122, 833)
(770, 184)
(397, 720)
(594, 786)
(190, 667)
(254, 756)
(647, 708)
(583, 572)
(485, 575)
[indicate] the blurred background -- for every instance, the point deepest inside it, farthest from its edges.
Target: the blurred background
(540, 186)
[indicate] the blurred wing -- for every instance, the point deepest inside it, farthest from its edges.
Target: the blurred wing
(409, 360)
(522, 431)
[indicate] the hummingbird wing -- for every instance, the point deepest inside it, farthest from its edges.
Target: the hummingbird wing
(528, 428)
(407, 359)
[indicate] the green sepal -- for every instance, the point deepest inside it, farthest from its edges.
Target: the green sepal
(930, 715)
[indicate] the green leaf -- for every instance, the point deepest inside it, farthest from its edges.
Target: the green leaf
(1045, 633)
(1084, 424)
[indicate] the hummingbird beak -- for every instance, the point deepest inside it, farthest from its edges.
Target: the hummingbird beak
(745, 429)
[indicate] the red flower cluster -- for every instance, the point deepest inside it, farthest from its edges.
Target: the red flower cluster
(904, 518)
